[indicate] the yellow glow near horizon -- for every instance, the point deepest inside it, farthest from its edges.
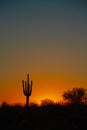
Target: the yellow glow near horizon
(44, 87)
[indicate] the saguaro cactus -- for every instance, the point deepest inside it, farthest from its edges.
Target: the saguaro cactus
(27, 89)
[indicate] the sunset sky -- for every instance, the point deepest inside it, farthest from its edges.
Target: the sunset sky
(48, 40)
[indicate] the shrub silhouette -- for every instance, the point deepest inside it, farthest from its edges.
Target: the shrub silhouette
(75, 96)
(47, 102)
(4, 104)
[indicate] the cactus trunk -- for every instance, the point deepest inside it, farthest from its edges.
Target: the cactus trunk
(27, 101)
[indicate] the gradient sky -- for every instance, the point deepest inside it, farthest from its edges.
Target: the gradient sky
(48, 40)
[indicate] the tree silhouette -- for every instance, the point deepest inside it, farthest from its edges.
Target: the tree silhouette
(75, 96)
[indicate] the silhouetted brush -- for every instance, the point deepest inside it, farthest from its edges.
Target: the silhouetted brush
(27, 89)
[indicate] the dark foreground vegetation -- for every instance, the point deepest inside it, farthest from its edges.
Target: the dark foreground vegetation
(46, 117)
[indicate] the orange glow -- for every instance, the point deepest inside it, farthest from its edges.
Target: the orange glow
(44, 87)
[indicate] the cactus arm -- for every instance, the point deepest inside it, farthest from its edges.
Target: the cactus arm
(31, 88)
(23, 86)
(25, 89)
(28, 85)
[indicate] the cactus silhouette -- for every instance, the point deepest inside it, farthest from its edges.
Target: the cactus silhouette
(27, 89)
